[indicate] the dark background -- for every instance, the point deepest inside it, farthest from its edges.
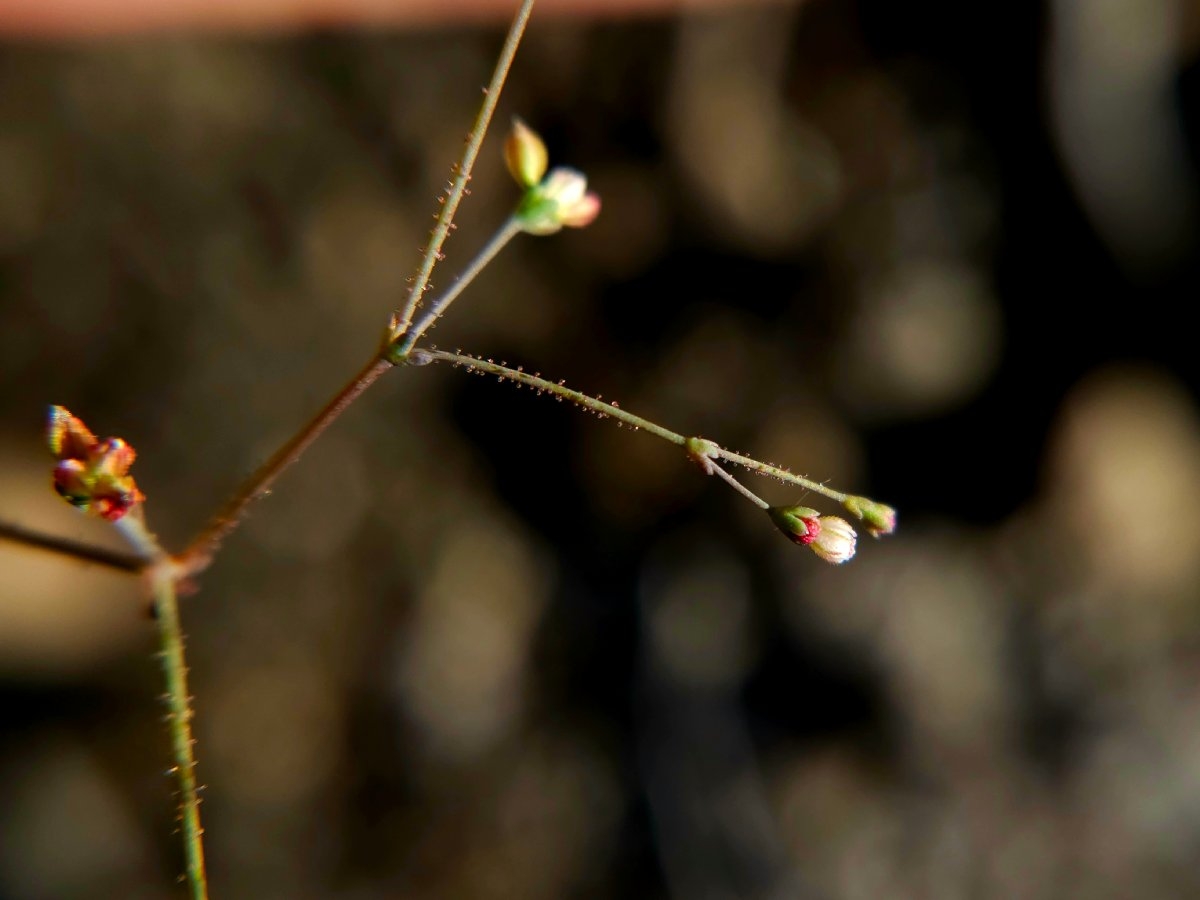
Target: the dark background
(482, 645)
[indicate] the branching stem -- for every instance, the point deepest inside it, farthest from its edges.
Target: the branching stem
(200, 551)
(509, 230)
(612, 411)
(763, 468)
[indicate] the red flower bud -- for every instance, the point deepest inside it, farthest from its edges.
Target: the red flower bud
(92, 475)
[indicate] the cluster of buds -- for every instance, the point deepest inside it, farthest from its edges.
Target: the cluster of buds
(830, 537)
(551, 200)
(92, 475)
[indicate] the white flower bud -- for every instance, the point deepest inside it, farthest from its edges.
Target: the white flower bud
(836, 540)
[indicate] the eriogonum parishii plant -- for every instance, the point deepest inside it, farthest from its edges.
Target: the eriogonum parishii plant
(93, 475)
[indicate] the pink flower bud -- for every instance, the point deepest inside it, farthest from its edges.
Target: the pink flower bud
(562, 198)
(831, 538)
(799, 524)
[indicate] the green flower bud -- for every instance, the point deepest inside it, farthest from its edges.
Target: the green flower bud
(525, 154)
(880, 518)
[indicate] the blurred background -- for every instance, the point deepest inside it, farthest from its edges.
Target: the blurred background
(480, 645)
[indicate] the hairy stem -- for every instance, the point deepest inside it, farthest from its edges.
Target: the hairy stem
(610, 410)
(200, 551)
(166, 608)
(462, 172)
(122, 562)
(509, 230)
(164, 575)
(763, 468)
(556, 388)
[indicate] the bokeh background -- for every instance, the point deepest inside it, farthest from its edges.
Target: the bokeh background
(481, 645)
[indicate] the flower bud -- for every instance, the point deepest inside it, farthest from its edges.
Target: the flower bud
(91, 475)
(880, 518)
(562, 198)
(836, 541)
(525, 154)
(831, 538)
(799, 524)
(67, 436)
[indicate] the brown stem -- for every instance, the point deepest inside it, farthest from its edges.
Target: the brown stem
(113, 559)
(199, 553)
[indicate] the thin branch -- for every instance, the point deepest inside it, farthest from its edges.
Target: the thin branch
(113, 559)
(437, 238)
(200, 551)
(166, 608)
(763, 468)
(610, 410)
(740, 488)
(132, 527)
(541, 384)
(509, 230)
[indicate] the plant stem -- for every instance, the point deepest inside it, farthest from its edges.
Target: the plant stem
(510, 229)
(741, 488)
(166, 608)
(132, 527)
(164, 575)
(541, 384)
(199, 552)
(612, 411)
(441, 230)
(763, 468)
(122, 562)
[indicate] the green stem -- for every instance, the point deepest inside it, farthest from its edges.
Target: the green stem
(763, 468)
(741, 488)
(166, 608)
(509, 230)
(541, 384)
(609, 410)
(164, 574)
(441, 230)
